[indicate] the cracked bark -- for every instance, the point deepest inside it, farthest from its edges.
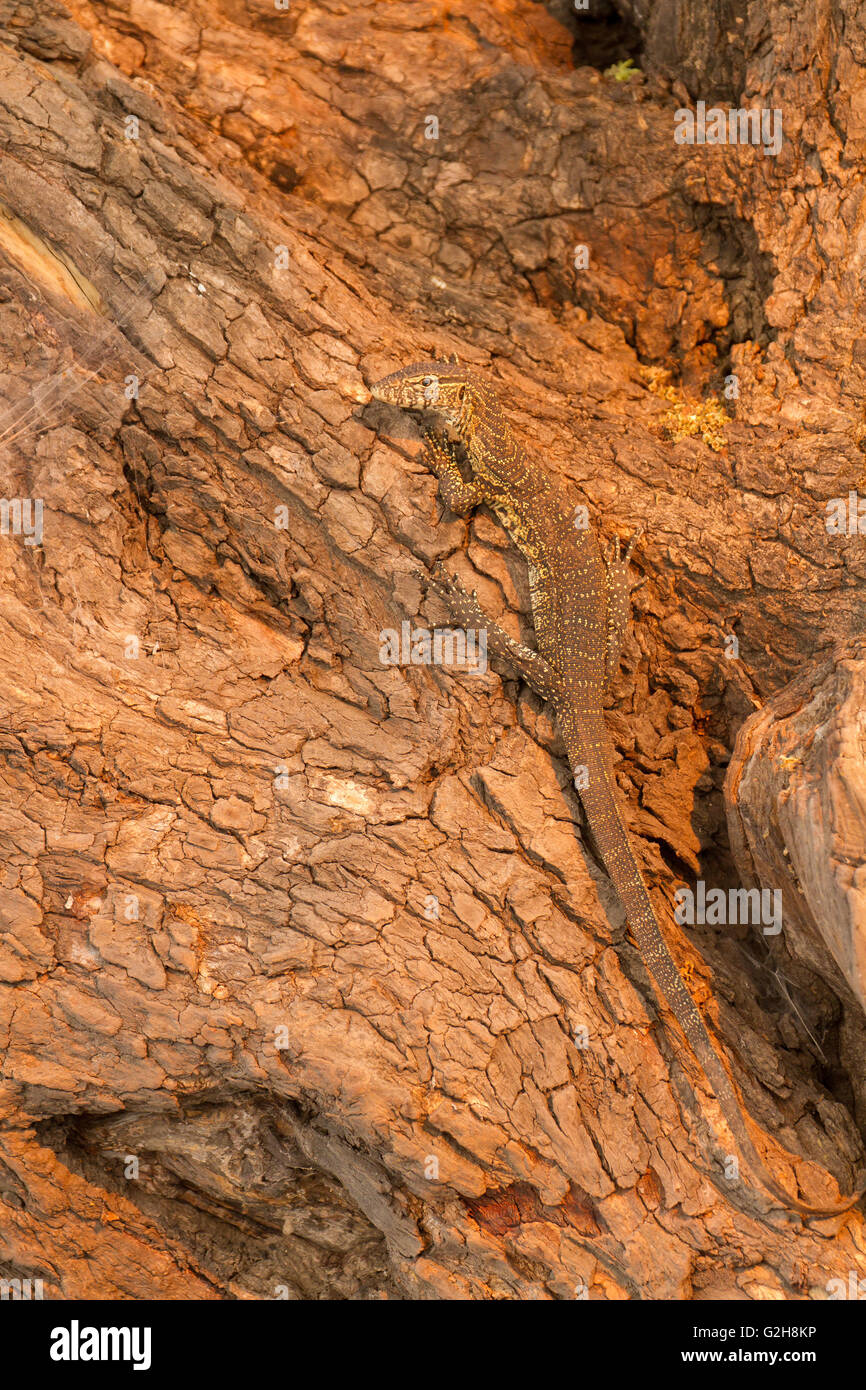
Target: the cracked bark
(300, 951)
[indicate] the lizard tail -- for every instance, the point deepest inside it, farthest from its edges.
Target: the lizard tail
(586, 741)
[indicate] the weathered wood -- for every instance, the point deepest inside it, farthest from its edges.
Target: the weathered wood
(314, 939)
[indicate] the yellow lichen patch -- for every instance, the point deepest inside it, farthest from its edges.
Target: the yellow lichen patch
(41, 261)
(706, 418)
(685, 418)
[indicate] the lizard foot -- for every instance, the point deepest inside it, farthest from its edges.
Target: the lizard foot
(619, 591)
(617, 564)
(453, 591)
(466, 609)
(614, 558)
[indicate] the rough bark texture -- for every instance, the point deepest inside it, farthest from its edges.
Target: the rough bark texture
(313, 940)
(796, 791)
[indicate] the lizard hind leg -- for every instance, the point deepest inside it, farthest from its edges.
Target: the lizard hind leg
(467, 610)
(618, 591)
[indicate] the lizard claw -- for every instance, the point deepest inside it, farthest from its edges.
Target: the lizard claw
(447, 585)
(438, 580)
(631, 545)
(614, 555)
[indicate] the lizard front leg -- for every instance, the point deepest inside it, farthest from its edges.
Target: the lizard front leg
(618, 589)
(538, 674)
(457, 494)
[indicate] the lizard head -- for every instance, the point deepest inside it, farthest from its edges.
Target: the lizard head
(439, 387)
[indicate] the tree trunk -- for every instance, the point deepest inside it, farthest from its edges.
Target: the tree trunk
(311, 984)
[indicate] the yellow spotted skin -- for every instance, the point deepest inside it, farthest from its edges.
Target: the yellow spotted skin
(579, 608)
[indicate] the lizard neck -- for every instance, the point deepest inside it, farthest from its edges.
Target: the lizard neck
(494, 454)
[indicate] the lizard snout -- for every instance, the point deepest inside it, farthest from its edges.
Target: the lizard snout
(388, 389)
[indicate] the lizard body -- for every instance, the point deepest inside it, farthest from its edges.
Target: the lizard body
(580, 608)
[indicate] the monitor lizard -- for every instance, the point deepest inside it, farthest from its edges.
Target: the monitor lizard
(580, 609)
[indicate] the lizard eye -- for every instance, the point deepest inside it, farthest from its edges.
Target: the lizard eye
(427, 381)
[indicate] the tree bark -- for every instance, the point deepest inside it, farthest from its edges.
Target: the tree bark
(311, 984)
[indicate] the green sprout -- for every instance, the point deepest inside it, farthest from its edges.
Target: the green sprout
(621, 71)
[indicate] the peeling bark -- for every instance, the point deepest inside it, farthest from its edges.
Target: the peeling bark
(311, 984)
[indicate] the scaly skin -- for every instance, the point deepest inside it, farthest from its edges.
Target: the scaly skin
(580, 609)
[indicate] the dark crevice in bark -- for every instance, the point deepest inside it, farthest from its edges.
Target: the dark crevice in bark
(730, 249)
(223, 1179)
(602, 35)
